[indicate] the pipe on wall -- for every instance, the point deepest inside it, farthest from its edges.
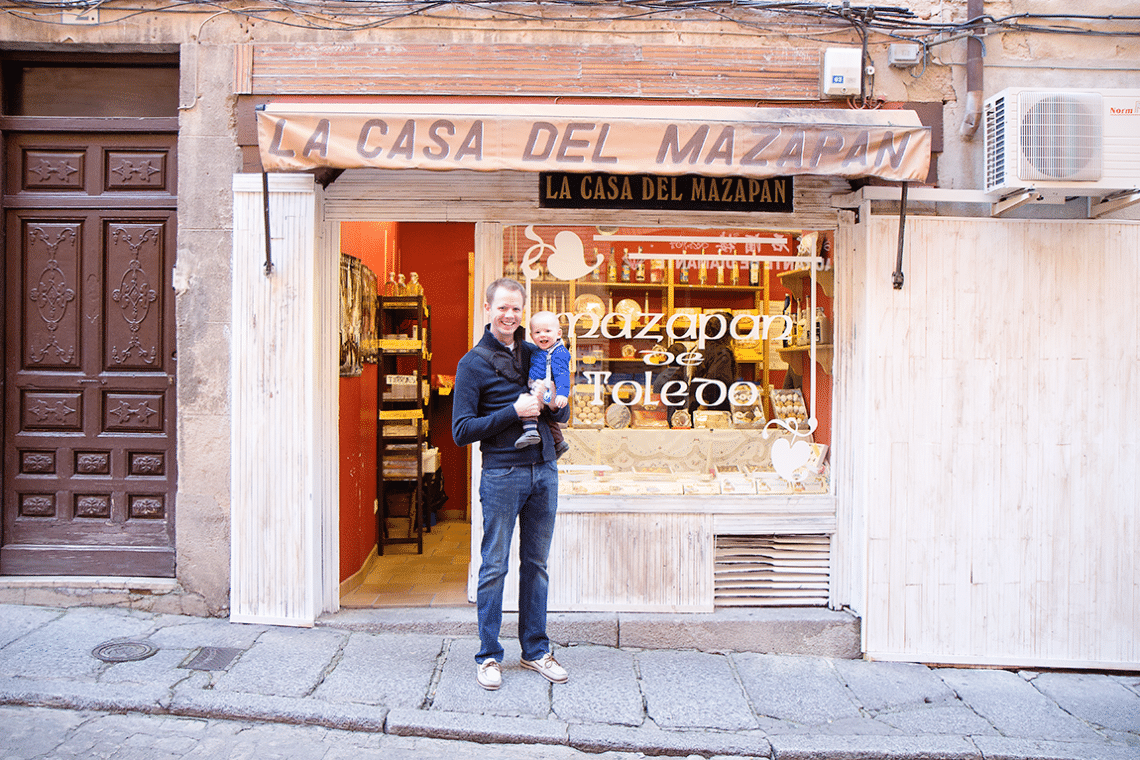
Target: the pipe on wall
(974, 9)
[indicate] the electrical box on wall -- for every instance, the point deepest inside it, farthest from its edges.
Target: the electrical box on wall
(842, 72)
(901, 55)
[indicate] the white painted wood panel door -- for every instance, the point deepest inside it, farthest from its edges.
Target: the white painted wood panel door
(999, 391)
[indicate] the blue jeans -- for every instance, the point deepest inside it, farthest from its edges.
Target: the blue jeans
(528, 493)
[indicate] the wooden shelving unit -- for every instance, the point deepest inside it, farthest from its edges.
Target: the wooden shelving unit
(402, 431)
(798, 283)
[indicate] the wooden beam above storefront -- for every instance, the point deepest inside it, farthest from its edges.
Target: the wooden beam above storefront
(563, 70)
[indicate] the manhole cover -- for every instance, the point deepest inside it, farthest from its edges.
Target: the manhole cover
(124, 651)
(213, 658)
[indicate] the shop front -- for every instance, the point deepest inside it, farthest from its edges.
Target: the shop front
(975, 503)
(680, 235)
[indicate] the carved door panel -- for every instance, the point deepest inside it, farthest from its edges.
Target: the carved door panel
(89, 372)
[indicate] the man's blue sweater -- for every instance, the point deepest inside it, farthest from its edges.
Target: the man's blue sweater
(483, 405)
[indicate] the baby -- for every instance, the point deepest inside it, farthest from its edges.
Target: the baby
(549, 378)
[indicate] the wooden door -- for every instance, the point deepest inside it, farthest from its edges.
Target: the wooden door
(89, 396)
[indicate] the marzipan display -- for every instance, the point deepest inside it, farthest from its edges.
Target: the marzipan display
(690, 350)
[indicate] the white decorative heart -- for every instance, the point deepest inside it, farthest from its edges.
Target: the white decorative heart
(787, 458)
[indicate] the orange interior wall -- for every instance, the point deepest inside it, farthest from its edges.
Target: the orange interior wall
(438, 252)
(375, 244)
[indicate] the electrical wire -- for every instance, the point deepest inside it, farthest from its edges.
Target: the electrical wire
(812, 21)
(890, 21)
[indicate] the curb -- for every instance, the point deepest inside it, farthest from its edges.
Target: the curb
(78, 695)
(813, 747)
(592, 738)
(219, 705)
(268, 709)
(1002, 748)
(596, 738)
(485, 729)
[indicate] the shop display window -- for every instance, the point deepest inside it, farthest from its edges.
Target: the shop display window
(700, 358)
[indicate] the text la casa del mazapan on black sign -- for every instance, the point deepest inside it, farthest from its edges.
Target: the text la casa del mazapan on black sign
(684, 192)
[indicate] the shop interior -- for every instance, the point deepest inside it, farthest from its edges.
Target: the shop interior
(614, 279)
(402, 576)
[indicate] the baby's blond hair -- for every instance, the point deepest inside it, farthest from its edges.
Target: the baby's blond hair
(543, 315)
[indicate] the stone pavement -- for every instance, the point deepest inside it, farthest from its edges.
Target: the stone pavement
(649, 701)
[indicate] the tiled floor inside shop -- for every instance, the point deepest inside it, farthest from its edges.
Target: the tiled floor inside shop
(403, 578)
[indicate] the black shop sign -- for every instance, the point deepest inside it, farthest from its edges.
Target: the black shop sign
(685, 192)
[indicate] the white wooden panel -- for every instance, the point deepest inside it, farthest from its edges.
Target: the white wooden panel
(488, 268)
(326, 443)
(848, 410)
(512, 197)
(995, 465)
(632, 562)
(283, 416)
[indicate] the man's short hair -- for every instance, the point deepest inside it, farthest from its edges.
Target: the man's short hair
(507, 283)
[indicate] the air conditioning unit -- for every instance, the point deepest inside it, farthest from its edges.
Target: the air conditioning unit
(1062, 142)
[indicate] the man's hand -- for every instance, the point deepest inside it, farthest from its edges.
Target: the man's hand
(527, 406)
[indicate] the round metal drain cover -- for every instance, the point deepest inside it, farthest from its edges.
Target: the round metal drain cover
(124, 651)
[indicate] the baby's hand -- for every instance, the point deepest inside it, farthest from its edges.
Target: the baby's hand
(561, 402)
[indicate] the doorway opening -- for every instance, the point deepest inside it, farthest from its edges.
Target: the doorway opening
(399, 575)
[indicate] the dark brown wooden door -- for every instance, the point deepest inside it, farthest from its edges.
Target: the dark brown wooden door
(89, 396)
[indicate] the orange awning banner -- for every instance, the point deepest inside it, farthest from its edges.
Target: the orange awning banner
(712, 140)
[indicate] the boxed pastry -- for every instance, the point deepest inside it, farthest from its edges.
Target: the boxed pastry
(400, 387)
(734, 479)
(789, 404)
(747, 406)
(649, 416)
(701, 486)
(815, 463)
(770, 482)
(703, 418)
(682, 323)
(400, 428)
(583, 412)
(653, 472)
(737, 485)
(591, 487)
(627, 487)
(402, 464)
(581, 472)
(746, 321)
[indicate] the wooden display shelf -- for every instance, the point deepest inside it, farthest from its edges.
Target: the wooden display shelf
(794, 281)
(824, 354)
(410, 346)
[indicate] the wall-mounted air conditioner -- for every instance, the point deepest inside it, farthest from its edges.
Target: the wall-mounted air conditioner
(1062, 142)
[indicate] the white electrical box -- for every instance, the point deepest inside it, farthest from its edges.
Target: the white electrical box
(841, 75)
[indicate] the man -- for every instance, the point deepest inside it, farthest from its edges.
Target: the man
(490, 398)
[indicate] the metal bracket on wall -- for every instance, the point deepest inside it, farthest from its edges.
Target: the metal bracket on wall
(265, 202)
(897, 275)
(1112, 203)
(1014, 201)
